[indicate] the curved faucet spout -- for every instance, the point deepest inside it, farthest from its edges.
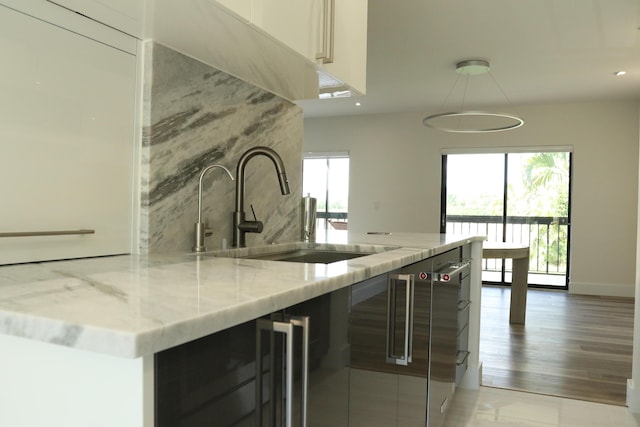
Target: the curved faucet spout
(240, 226)
(204, 171)
(242, 163)
(201, 230)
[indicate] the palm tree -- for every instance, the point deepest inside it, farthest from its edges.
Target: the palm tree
(546, 179)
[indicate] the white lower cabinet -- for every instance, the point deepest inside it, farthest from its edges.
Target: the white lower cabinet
(45, 385)
(67, 117)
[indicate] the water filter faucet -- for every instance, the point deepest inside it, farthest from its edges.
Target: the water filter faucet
(201, 229)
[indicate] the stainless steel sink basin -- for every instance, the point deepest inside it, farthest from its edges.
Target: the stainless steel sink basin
(313, 256)
(312, 253)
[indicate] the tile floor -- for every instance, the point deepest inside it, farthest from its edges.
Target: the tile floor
(499, 407)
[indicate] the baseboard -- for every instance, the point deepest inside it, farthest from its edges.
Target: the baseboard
(602, 289)
(472, 378)
(633, 397)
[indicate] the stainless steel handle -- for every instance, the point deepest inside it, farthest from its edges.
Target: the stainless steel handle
(463, 305)
(287, 329)
(411, 293)
(261, 325)
(285, 326)
(46, 233)
(328, 31)
(461, 357)
(451, 271)
(392, 297)
(443, 405)
(303, 322)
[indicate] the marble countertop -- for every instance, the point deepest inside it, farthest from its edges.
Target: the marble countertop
(131, 306)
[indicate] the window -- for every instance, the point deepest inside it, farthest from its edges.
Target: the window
(325, 176)
(519, 197)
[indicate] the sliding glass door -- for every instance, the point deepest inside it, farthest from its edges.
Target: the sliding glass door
(325, 176)
(512, 197)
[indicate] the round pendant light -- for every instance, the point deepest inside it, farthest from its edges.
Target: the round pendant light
(473, 121)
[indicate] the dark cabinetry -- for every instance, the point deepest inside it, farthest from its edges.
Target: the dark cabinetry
(328, 382)
(212, 381)
(464, 305)
(449, 336)
(405, 343)
(384, 352)
(390, 348)
(208, 379)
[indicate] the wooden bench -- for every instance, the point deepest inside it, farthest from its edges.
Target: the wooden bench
(520, 255)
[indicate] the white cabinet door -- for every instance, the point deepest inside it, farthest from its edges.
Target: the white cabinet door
(239, 7)
(350, 44)
(335, 28)
(295, 23)
(67, 135)
(125, 15)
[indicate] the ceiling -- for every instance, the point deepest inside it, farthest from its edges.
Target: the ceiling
(540, 51)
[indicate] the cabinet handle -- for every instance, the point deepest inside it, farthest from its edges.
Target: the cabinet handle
(452, 270)
(443, 405)
(328, 31)
(461, 357)
(392, 303)
(280, 324)
(46, 233)
(463, 305)
(303, 322)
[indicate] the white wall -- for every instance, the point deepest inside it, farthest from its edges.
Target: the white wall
(395, 177)
(633, 392)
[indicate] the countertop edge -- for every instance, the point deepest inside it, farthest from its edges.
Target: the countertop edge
(147, 340)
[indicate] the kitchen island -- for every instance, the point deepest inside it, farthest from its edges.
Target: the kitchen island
(78, 337)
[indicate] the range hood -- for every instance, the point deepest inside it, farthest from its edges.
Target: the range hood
(225, 41)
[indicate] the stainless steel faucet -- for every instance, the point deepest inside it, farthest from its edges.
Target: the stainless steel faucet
(201, 230)
(240, 225)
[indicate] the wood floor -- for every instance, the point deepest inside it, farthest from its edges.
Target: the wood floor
(572, 346)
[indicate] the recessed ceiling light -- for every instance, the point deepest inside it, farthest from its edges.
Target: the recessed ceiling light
(619, 73)
(358, 104)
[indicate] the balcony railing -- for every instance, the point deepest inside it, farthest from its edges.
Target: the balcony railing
(547, 238)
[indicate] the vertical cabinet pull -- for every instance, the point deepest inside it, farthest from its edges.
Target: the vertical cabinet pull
(284, 325)
(328, 31)
(303, 322)
(394, 301)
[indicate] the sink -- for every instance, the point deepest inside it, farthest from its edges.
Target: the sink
(313, 256)
(314, 253)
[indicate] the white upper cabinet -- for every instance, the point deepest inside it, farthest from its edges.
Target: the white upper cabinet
(296, 23)
(240, 7)
(346, 35)
(214, 34)
(124, 15)
(330, 33)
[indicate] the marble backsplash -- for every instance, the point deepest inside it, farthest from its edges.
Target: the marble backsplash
(195, 115)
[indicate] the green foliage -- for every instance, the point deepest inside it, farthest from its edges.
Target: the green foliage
(546, 182)
(482, 204)
(546, 178)
(539, 188)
